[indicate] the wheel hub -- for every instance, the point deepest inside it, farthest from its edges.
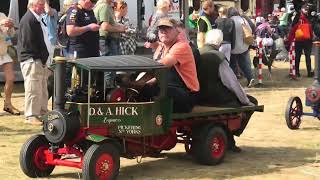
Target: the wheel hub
(217, 146)
(105, 166)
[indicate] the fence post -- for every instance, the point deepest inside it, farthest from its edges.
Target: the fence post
(293, 59)
(260, 63)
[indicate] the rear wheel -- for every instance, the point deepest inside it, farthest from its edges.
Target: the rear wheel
(210, 147)
(294, 112)
(101, 162)
(33, 158)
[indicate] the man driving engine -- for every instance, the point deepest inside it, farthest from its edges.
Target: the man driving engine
(176, 54)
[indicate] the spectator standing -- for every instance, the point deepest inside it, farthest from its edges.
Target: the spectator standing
(227, 26)
(302, 43)
(110, 30)
(6, 31)
(82, 29)
(128, 44)
(283, 22)
(206, 22)
(240, 52)
(33, 55)
(50, 21)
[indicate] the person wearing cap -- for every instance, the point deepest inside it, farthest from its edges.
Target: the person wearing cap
(176, 54)
(83, 30)
(222, 89)
(163, 9)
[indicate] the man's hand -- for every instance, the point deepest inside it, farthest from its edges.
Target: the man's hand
(122, 28)
(93, 27)
(7, 23)
(153, 45)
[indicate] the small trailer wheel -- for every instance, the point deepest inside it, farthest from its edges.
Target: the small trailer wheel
(101, 162)
(211, 146)
(294, 111)
(33, 158)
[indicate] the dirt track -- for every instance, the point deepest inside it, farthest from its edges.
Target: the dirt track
(270, 149)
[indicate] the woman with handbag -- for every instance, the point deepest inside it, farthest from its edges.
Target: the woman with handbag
(301, 33)
(240, 52)
(6, 30)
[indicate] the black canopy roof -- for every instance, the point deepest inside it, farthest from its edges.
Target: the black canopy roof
(123, 62)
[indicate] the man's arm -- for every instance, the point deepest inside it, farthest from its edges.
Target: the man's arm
(201, 36)
(168, 60)
(201, 39)
(106, 26)
(73, 30)
(230, 80)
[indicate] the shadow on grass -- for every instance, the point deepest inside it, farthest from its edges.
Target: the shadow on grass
(280, 79)
(5, 131)
(310, 128)
(252, 161)
(66, 175)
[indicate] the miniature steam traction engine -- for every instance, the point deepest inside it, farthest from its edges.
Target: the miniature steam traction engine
(103, 120)
(294, 109)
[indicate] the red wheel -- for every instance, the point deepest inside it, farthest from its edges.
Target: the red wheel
(33, 158)
(294, 112)
(210, 147)
(218, 146)
(101, 162)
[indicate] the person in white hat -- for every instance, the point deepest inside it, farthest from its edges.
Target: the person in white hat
(223, 88)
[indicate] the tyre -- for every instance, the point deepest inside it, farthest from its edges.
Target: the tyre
(32, 157)
(101, 162)
(211, 146)
(294, 111)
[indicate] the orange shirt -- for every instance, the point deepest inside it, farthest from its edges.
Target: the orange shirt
(181, 57)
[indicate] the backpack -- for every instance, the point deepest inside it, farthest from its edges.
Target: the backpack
(63, 38)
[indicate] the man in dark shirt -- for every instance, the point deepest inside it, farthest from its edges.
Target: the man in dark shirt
(227, 26)
(82, 28)
(33, 55)
(206, 22)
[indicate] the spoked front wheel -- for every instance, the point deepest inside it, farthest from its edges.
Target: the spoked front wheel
(294, 112)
